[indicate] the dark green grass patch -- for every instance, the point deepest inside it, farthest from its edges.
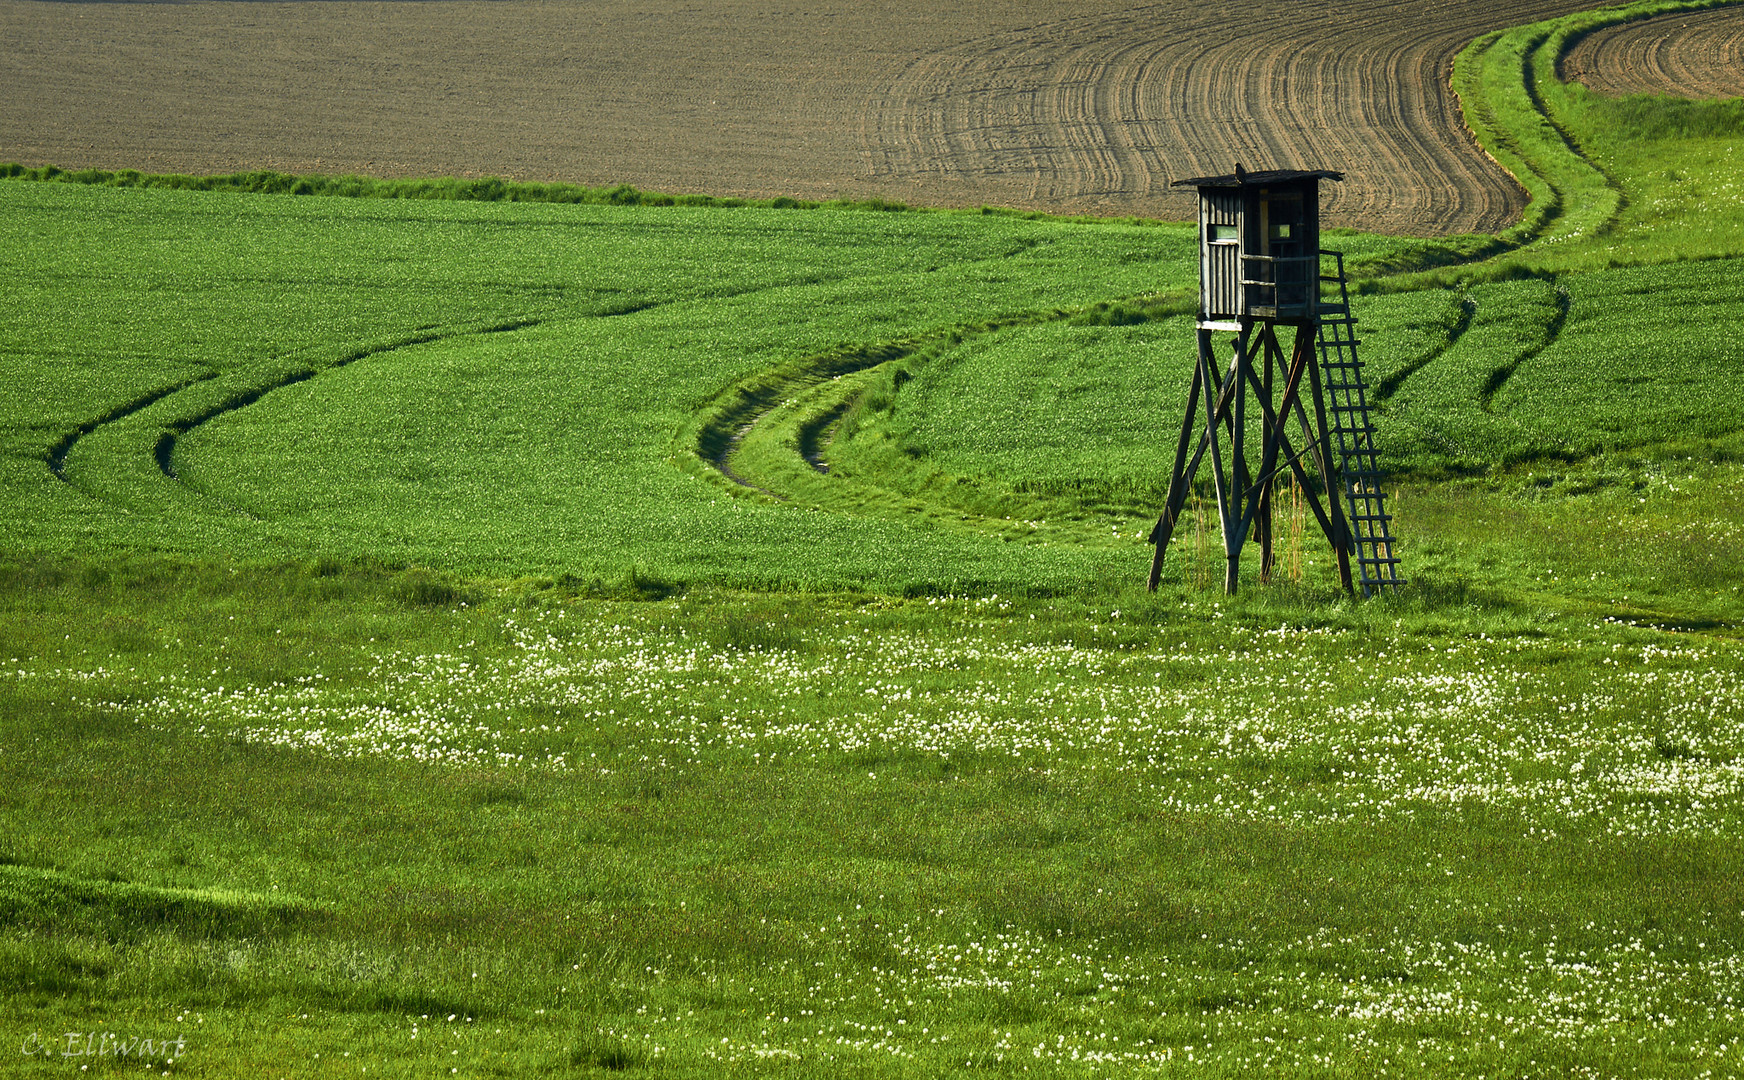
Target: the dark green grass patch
(112, 907)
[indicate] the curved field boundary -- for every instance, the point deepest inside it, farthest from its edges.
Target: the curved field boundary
(1112, 106)
(954, 103)
(1507, 84)
(1687, 54)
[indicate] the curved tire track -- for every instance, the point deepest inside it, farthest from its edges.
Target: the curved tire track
(1552, 331)
(163, 450)
(722, 431)
(1462, 320)
(57, 455)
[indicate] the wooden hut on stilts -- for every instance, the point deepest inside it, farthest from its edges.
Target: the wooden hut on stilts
(1261, 270)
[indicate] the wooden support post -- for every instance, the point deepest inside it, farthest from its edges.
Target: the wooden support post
(1277, 442)
(1221, 416)
(1180, 482)
(1212, 420)
(1268, 459)
(1234, 520)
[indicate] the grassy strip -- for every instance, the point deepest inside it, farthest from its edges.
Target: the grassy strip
(1517, 107)
(1527, 120)
(1648, 117)
(491, 189)
(447, 189)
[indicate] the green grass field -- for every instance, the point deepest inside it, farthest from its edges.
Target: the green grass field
(456, 629)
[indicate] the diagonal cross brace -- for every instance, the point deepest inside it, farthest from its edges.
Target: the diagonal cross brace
(1185, 469)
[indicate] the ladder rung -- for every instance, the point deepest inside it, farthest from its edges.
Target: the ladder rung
(1353, 431)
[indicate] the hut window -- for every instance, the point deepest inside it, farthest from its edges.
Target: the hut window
(1223, 234)
(1281, 231)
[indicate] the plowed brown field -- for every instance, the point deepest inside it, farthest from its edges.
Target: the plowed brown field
(1696, 54)
(955, 102)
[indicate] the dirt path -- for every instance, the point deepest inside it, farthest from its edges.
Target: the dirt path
(1697, 54)
(959, 102)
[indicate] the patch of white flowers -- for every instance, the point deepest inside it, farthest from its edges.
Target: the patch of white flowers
(1296, 725)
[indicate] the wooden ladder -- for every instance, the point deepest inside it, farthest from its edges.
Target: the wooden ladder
(1352, 431)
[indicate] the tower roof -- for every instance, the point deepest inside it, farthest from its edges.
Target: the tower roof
(1248, 179)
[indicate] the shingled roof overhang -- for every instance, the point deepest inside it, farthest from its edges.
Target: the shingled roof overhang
(1252, 179)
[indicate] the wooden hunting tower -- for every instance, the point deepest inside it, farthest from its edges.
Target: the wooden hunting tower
(1260, 266)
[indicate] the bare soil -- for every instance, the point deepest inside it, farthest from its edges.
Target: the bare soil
(954, 102)
(1695, 54)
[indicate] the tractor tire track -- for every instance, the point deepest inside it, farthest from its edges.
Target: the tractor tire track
(816, 434)
(1693, 54)
(164, 450)
(57, 455)
(739, 410)
(1390, 385)
(1552, 331)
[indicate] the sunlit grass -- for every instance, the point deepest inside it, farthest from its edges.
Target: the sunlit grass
(869, 835)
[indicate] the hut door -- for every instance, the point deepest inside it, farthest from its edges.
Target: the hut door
(1283, 225)
(1220, 269)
